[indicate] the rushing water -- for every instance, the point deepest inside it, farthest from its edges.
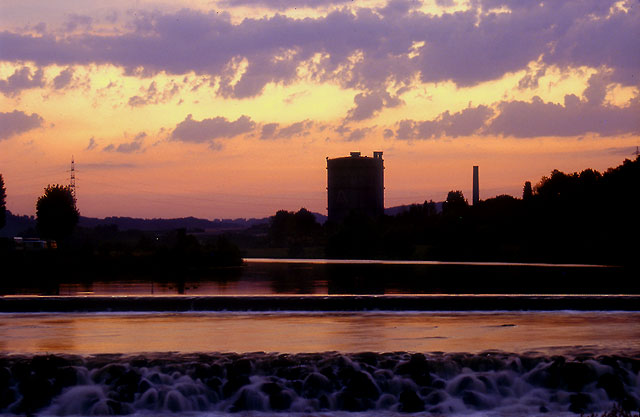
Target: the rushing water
(381, 363)
(210, 347)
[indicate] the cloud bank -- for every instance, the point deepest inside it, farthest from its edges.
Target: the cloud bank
(529, 119)
(18, 122)
(364, 48)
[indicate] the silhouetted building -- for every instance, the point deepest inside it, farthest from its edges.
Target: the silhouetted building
(355, 184)
(476, 186)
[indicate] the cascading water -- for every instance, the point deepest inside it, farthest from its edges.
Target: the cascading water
(325, 384)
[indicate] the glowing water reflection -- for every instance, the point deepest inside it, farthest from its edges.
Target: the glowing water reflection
(601, 332)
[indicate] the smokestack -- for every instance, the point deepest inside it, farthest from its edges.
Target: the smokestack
(476, 186)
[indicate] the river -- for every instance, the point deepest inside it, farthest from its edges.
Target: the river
(290, 338)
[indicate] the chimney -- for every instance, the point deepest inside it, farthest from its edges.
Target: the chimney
(476, 186)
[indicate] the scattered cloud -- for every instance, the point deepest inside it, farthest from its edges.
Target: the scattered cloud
(353, 135)
(295, 129)
(128, 147)
(462, 123)
(92, 144)
(294, 96)
(534, 118)
(274, 131)
(574, 117)
(531, 79)
(153, 95)
(208, 130)
(22, 79)
(528, 119)
(370, 103)
(18, 122)
(268, 130)
(63, 79)
(358, 134)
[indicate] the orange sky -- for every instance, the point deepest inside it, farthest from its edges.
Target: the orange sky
(229, 108)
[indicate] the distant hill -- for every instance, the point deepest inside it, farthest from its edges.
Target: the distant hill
(18, 225)
(159, 225)
(189, 223)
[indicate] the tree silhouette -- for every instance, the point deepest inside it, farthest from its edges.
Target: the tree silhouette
(456, 204)
(527, 191)
(56, 212)
(3, 203)
(287, 227)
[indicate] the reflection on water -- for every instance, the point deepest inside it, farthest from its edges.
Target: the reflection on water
(322, 277)
(399, 262)
(601, 332)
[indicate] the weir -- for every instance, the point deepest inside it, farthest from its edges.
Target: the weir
(327, 384)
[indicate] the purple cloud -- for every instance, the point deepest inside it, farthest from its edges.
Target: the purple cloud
(531, 79)
(18, 122)
(295, 129)
(283, 4)
(63, 79)
(352, 135)
(153, 95)
(207, 130)
(92, 144)
(111, 17)
(525, 119)
(22, 79)
(358, 134)
(128, 147)
(466, 47)
(74, 21)
(575, 117)
(535, 118)
(463, 123)
(369, 104)
(274, 131)
(268, 130)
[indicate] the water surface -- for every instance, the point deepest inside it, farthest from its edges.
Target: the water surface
(294, 332)
(328, 277)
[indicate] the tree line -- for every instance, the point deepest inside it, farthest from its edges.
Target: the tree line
(105, 250)
(584, 217)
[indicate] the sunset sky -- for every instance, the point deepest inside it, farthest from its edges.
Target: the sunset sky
(228, 108)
